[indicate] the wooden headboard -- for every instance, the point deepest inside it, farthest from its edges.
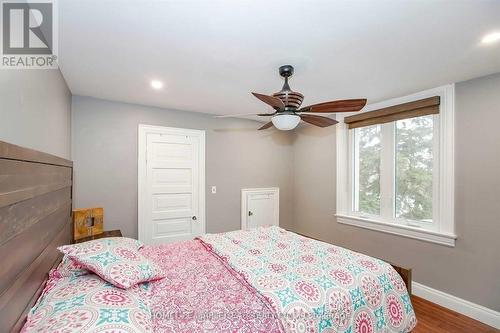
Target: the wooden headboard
(35, 218)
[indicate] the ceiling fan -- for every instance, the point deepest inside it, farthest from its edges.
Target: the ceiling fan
(287, 112)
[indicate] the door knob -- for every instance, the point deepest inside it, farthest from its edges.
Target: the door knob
(250, 213)
(194, 218)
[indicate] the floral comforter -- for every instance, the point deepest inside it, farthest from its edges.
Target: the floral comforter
(314, 286)
(260, 280)
(200, 294)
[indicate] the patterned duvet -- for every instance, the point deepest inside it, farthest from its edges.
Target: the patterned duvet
(260, 280)
(199, 294)
(314, 286)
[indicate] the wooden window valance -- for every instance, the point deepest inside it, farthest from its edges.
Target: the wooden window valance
(413, 109)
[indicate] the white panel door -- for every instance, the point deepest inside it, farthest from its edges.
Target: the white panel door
(260, 207)
(171, 184)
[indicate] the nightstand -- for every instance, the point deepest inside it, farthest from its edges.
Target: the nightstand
(110, 233)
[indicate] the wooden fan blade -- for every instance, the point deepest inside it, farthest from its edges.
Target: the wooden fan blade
(269, 124)
(346, 105)
(270, 100)
(245, 114)
(318, 120)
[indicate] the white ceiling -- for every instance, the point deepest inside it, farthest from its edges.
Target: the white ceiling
(211, 54)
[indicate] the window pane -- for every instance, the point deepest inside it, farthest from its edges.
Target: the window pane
(414, 162)
(367, 169)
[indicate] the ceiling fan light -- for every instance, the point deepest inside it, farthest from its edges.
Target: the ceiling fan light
(285, 122)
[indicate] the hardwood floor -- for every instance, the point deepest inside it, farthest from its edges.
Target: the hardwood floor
(433, 318)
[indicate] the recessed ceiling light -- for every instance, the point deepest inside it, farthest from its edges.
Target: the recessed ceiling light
(491, 38)
(155, 84)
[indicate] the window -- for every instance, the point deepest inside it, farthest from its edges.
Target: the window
(405, 150)
(395, 167)
(367, 149)
(414, 166)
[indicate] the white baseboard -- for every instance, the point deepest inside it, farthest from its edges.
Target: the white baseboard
(469, 309)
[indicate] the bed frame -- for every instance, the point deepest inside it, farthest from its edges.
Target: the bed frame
(35, 218)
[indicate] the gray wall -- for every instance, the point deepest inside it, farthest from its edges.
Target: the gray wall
(471, 269)
(237, 155)
(35, 110)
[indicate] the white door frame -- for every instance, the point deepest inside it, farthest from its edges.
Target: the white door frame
(142, 170)
(244, 203)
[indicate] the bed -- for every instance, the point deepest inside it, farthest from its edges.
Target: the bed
(259, 280)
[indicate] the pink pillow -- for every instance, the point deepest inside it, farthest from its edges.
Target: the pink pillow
(115, 259)
(69, 268)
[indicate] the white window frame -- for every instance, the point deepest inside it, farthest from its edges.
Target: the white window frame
(443, 227)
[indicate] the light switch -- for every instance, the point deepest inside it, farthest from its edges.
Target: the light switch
(214, 189)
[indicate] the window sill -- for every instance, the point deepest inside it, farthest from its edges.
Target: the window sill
(400, 230)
